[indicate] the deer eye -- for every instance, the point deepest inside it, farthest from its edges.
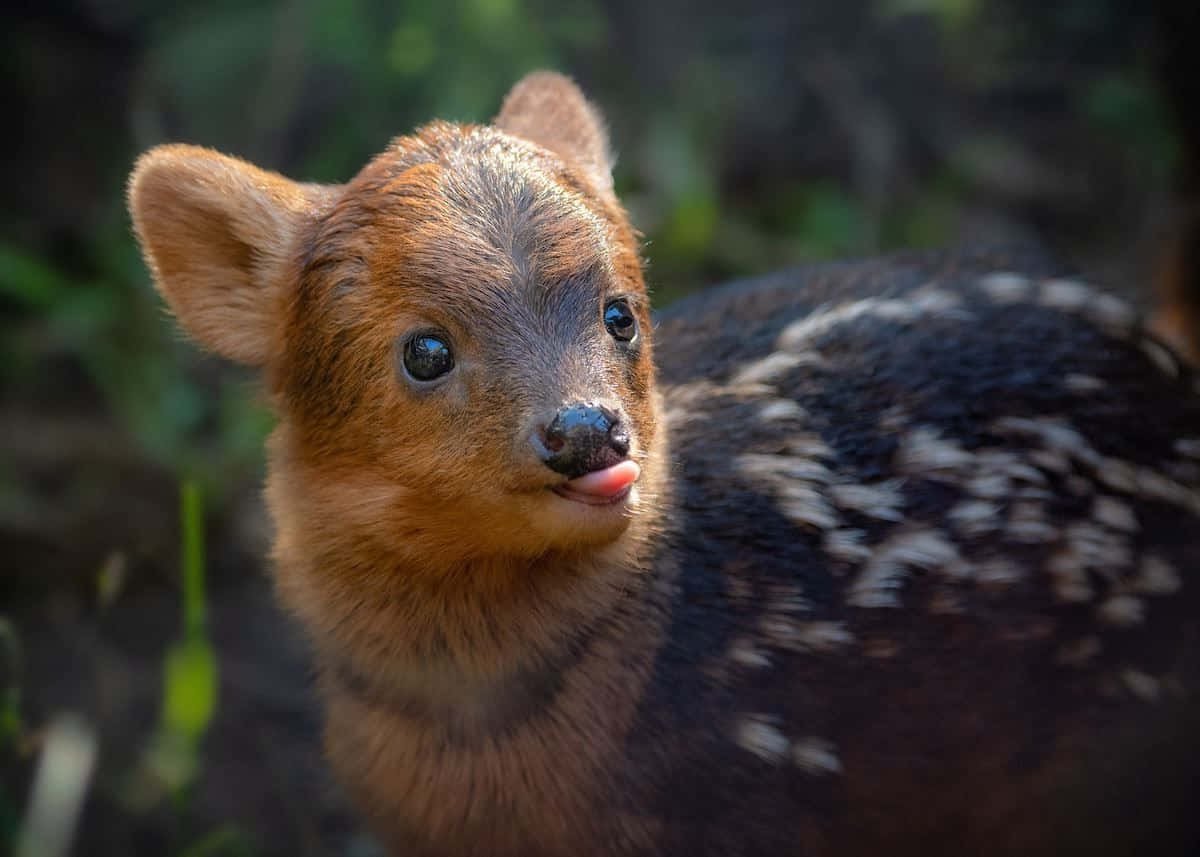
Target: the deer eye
(427, 357)
(620, 321)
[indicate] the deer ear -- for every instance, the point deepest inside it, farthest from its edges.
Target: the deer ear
(548, 109)
(217, 233)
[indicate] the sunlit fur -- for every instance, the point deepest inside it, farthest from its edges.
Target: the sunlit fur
(416, 535)
(914, 576)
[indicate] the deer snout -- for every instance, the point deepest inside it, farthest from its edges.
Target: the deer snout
(581, 438)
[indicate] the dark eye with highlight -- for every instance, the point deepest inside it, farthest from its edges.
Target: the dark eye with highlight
(620, 321)
(427, 357)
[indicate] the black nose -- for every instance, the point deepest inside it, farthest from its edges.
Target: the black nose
(584, 437)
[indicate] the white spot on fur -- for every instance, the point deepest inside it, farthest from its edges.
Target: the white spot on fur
(998, 572)
(975, 517)
(804, 505)
(880, 500)
(782, 409)
(787, 598)
(991, 486)
(1099, 548)
(1113, 513)
(816, 756)
(1117, 474)
(931, 301)
(779, 630)
(771, 367)
(1188, 447)
(847, 545)
(1142, 685)
(1077, 382)
(758, 734)
(1070, 578)
(1055, 434)
(793, 478)
(1112, 315)
(1122, 611)
(923, 451)
(895, 419)
(1065, 295)
(1009, 464)
(885, 571)
(777, 468)
(1027, 523)
(1050, 460)
(824, 636)
(685, 402)
(745, 653)
(1005, 288)
(1160, 356)
(1156, 576)
(809, 445)
(817, 636)
(1156, 486)
(798, 335)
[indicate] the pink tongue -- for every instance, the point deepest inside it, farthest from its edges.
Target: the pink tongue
(607, 482)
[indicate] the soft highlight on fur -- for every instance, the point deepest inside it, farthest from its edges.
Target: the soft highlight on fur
(908, 570)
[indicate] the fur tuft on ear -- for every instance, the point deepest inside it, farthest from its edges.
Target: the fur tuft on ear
(547, 108)
(216, 233)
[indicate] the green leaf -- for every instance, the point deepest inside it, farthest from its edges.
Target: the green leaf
(191, 688)
(192, 526)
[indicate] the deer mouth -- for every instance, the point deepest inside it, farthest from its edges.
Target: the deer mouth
(604, 487)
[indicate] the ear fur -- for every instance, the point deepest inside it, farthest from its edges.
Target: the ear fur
(547, 108)
(216, 233)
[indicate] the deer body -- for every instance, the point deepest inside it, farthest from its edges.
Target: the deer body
(890, 556)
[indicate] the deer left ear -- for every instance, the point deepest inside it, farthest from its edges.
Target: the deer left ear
(548, 109)
(217, 234)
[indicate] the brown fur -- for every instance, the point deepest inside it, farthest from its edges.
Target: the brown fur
(1178, 315)
(1177, 318)
(505, 674)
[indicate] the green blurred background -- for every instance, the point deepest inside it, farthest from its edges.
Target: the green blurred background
(750, 136)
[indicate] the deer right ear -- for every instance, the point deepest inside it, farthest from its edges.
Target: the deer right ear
(548, 109)
(217, 233)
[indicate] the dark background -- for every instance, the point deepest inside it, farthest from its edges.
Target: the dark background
(750, 136)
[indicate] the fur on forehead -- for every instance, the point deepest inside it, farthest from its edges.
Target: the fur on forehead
(458, 208)
(236, 251)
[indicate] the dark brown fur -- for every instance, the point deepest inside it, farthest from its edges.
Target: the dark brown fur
(1178, 315)
(802, 638)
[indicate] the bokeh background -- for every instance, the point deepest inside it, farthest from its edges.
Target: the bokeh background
(750, 136)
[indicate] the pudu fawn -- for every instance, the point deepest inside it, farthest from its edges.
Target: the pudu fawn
(896, 557)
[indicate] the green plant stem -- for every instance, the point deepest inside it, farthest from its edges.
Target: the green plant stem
(192, 523)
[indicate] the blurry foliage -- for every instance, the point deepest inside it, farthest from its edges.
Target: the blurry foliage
(189, 702)
(748, 139)
(11, 730)
(173, 759)
(314, 88)
(1127, 108)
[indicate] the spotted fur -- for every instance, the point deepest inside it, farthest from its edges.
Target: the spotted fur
(911, 569)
